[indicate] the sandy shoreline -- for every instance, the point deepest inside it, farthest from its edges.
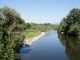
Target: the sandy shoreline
(29, 41)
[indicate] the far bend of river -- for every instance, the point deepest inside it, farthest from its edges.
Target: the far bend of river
(52, 46)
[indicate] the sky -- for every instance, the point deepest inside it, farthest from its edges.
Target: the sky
(42, 11)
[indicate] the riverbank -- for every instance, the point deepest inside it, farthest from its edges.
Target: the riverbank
(30, 40)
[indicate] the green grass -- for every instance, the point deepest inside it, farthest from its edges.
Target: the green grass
(32, 34)
(29, 33)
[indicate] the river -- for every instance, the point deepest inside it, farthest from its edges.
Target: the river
(52, 46)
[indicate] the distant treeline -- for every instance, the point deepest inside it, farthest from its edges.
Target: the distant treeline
(70, 24)
(42, 27)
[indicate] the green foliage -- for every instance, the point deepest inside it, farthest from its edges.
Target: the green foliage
(27, 25)
(11, 39)
(79, 36)
(10, 18)
(10, 46)
(70, 25)
(43, 27)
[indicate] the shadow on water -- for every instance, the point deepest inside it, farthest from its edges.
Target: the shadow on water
(71, 46)
(25, 49)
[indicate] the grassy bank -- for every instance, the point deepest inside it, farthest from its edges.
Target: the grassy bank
(32, 35)
(29, 33)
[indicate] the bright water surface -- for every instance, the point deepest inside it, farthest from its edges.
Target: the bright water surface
(52, 46)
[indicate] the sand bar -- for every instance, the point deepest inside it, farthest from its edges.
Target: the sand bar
(30, 40)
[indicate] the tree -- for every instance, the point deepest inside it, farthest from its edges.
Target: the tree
(70, 24)
(27, 25)
(10, 21)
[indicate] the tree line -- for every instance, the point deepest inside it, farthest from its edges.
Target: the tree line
(42, 27)
(70, 24)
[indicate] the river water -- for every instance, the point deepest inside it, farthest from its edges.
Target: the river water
(52, 46)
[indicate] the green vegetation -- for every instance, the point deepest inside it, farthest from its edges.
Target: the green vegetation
(13, 31)
(44, 27)
(11, 24)
(36, 29)
(31, 33)
(70, 24)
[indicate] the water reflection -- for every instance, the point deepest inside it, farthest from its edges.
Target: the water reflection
(25, 49)
(72, 48)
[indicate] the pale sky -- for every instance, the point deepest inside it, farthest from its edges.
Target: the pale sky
(42, 11)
